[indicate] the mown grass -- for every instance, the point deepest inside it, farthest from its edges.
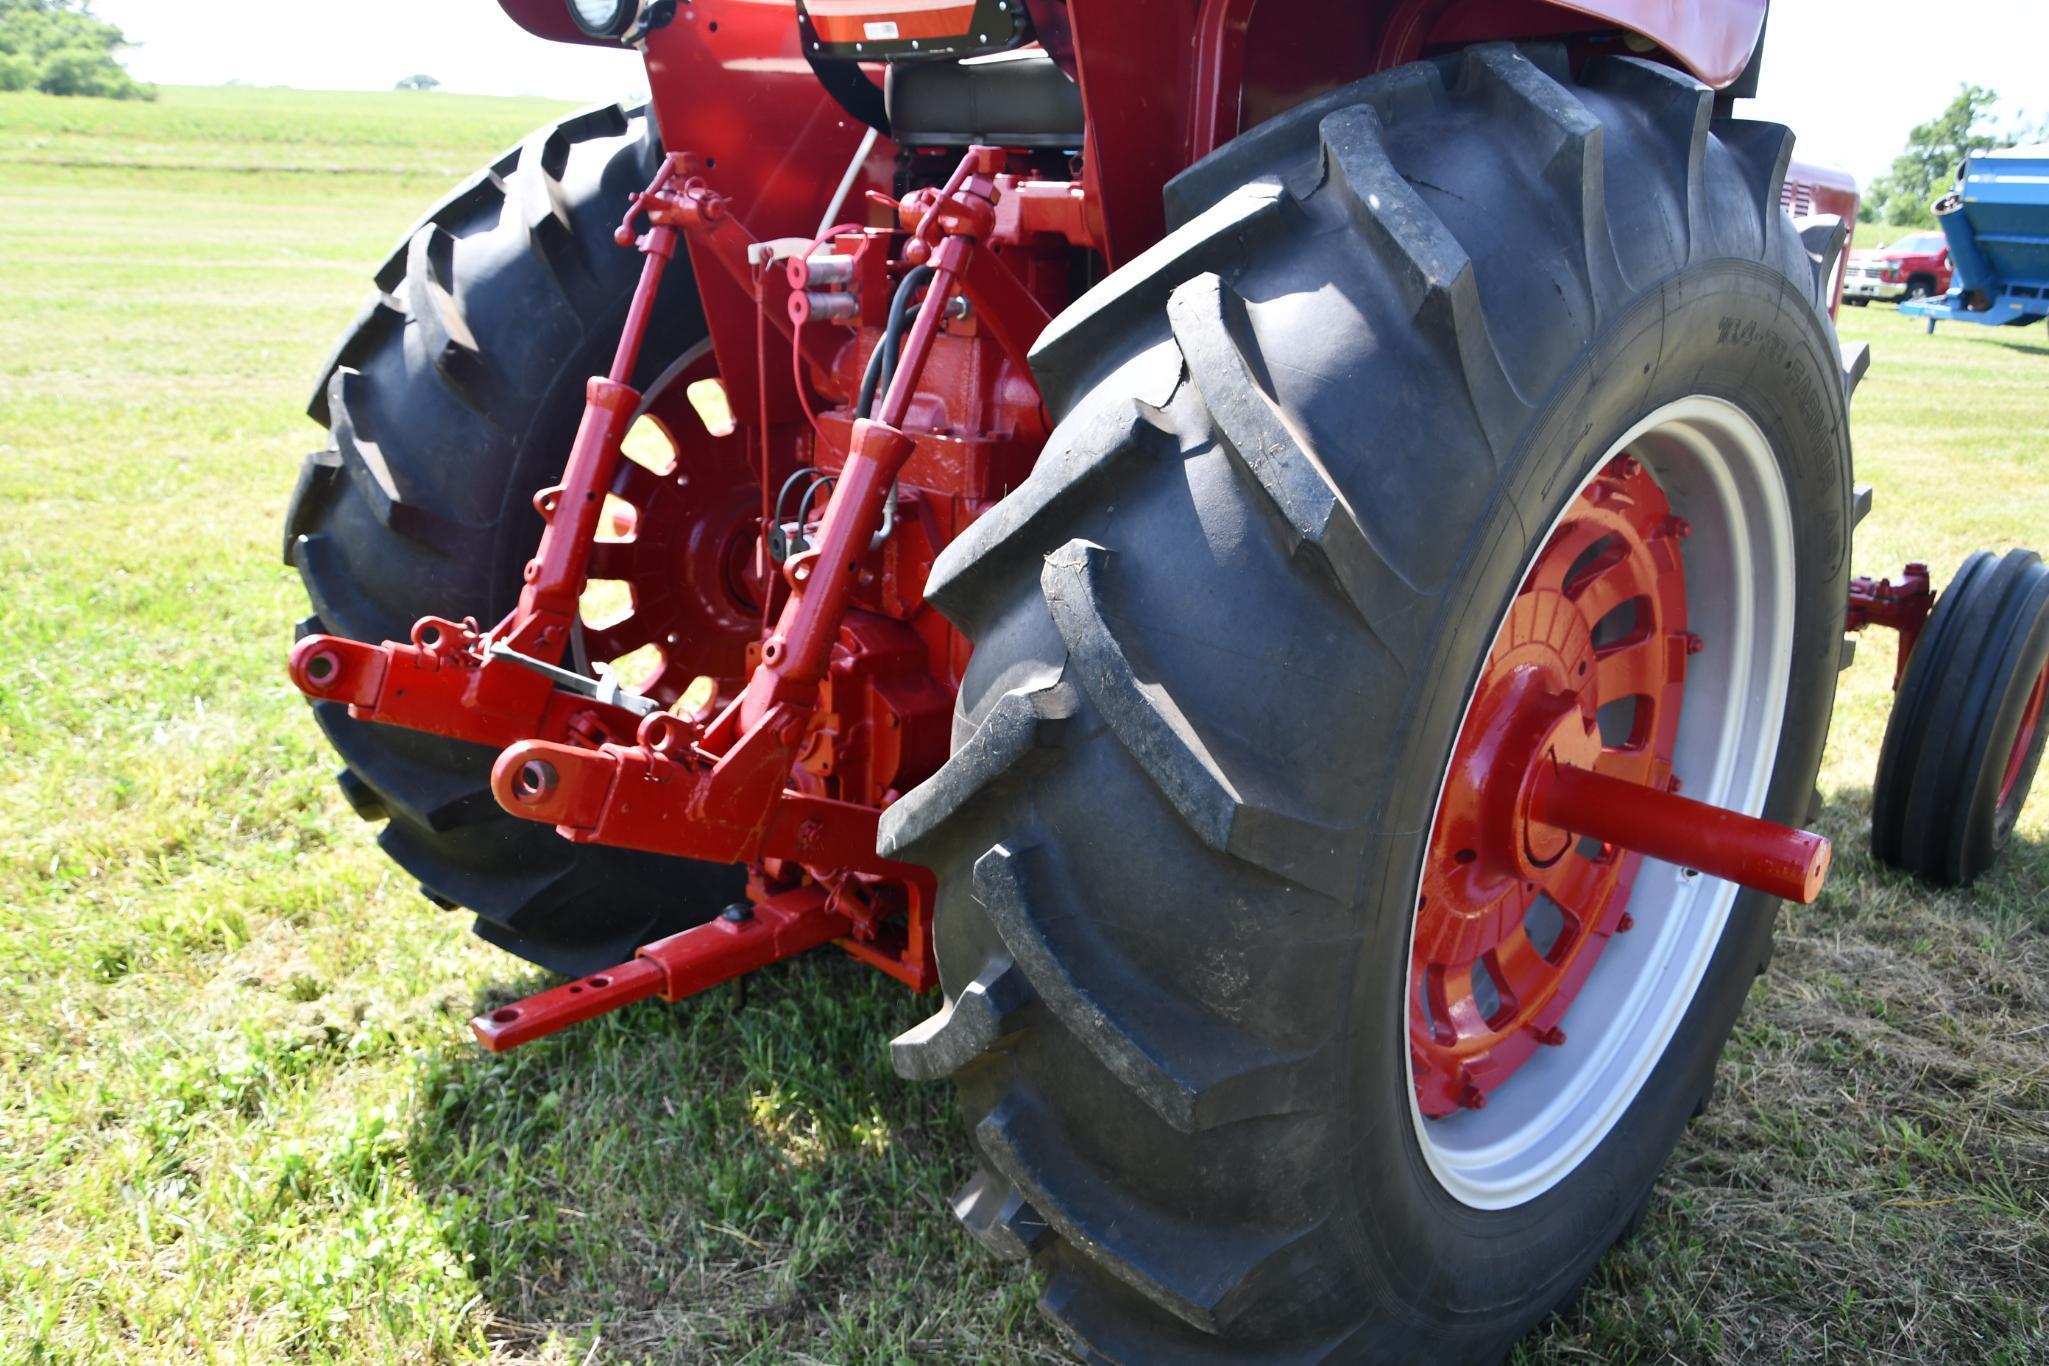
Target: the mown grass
(239, 1118)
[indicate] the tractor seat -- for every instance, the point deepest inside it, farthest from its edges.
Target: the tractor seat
(1008, 99)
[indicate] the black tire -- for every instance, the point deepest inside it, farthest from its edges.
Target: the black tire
(1920, 287)
(1857, 303)
(1942, 806)
(452, 399)
(1223, 638)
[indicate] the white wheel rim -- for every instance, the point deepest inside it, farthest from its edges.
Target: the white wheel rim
(1718, 471)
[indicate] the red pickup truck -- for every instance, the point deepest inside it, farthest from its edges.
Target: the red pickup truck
(1911, 268)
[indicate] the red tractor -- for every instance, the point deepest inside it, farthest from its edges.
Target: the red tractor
(1211, 532)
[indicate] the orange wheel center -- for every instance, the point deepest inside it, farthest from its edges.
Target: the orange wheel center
(1587, 671)
(688, 555)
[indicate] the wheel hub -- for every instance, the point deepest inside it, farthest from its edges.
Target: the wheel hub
(1586, 672)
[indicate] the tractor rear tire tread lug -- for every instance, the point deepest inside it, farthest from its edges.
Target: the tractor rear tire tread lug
(1084, 465)
(1001, 1219)
(412, 783)
(1194, 1069)
(1208, 319)
(1196, 1271)
(1681, 112)
(451, 400)
(1417, 89)
(1234, 809)
(1856, 364)
(318, 476)
(1764, 151)
(1535, 100)
(987, 1011)
(380, 319)
(444, 332)
(1021, 724)
(1066, 359)
(1180, 1132)
(361, 797)
(470, 201)
(375, 474)
(1824, 242)
(544, 214)
(1428, 263)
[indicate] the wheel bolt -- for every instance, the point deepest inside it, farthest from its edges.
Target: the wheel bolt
(1694, 644)
(1625, 924)
(1473, 1098)
(1553, 1037)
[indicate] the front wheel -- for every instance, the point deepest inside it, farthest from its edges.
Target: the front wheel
(1277, 1039)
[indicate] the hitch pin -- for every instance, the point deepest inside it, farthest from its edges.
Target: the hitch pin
(607, 689)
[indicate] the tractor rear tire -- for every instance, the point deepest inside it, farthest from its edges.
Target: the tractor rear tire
(1224, 638)
(451, 401)
(1968, 726)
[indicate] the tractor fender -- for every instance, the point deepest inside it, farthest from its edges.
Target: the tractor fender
(1714, 42)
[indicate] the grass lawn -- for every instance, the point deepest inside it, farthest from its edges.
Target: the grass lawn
(239, 1115)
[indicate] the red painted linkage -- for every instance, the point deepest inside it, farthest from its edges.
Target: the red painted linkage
(735, 944)
(452, 679)
(720, 793)
(605, 766)
(1904, 606)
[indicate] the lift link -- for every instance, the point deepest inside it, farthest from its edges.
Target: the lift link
(733, 945)
(452, 680)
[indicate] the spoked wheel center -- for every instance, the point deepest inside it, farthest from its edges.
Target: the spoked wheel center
(1570, 901)
(1586, 673)
(688, 558)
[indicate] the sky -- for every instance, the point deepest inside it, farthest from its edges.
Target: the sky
(1850, 79)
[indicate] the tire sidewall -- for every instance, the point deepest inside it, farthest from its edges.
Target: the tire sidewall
(1730, 329)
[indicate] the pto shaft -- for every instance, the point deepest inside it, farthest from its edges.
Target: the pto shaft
(1768, 857)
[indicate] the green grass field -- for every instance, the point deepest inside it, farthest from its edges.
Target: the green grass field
(239, 1115)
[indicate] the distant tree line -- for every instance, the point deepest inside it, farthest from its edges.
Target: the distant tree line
(1925, 170)
(61, 47)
